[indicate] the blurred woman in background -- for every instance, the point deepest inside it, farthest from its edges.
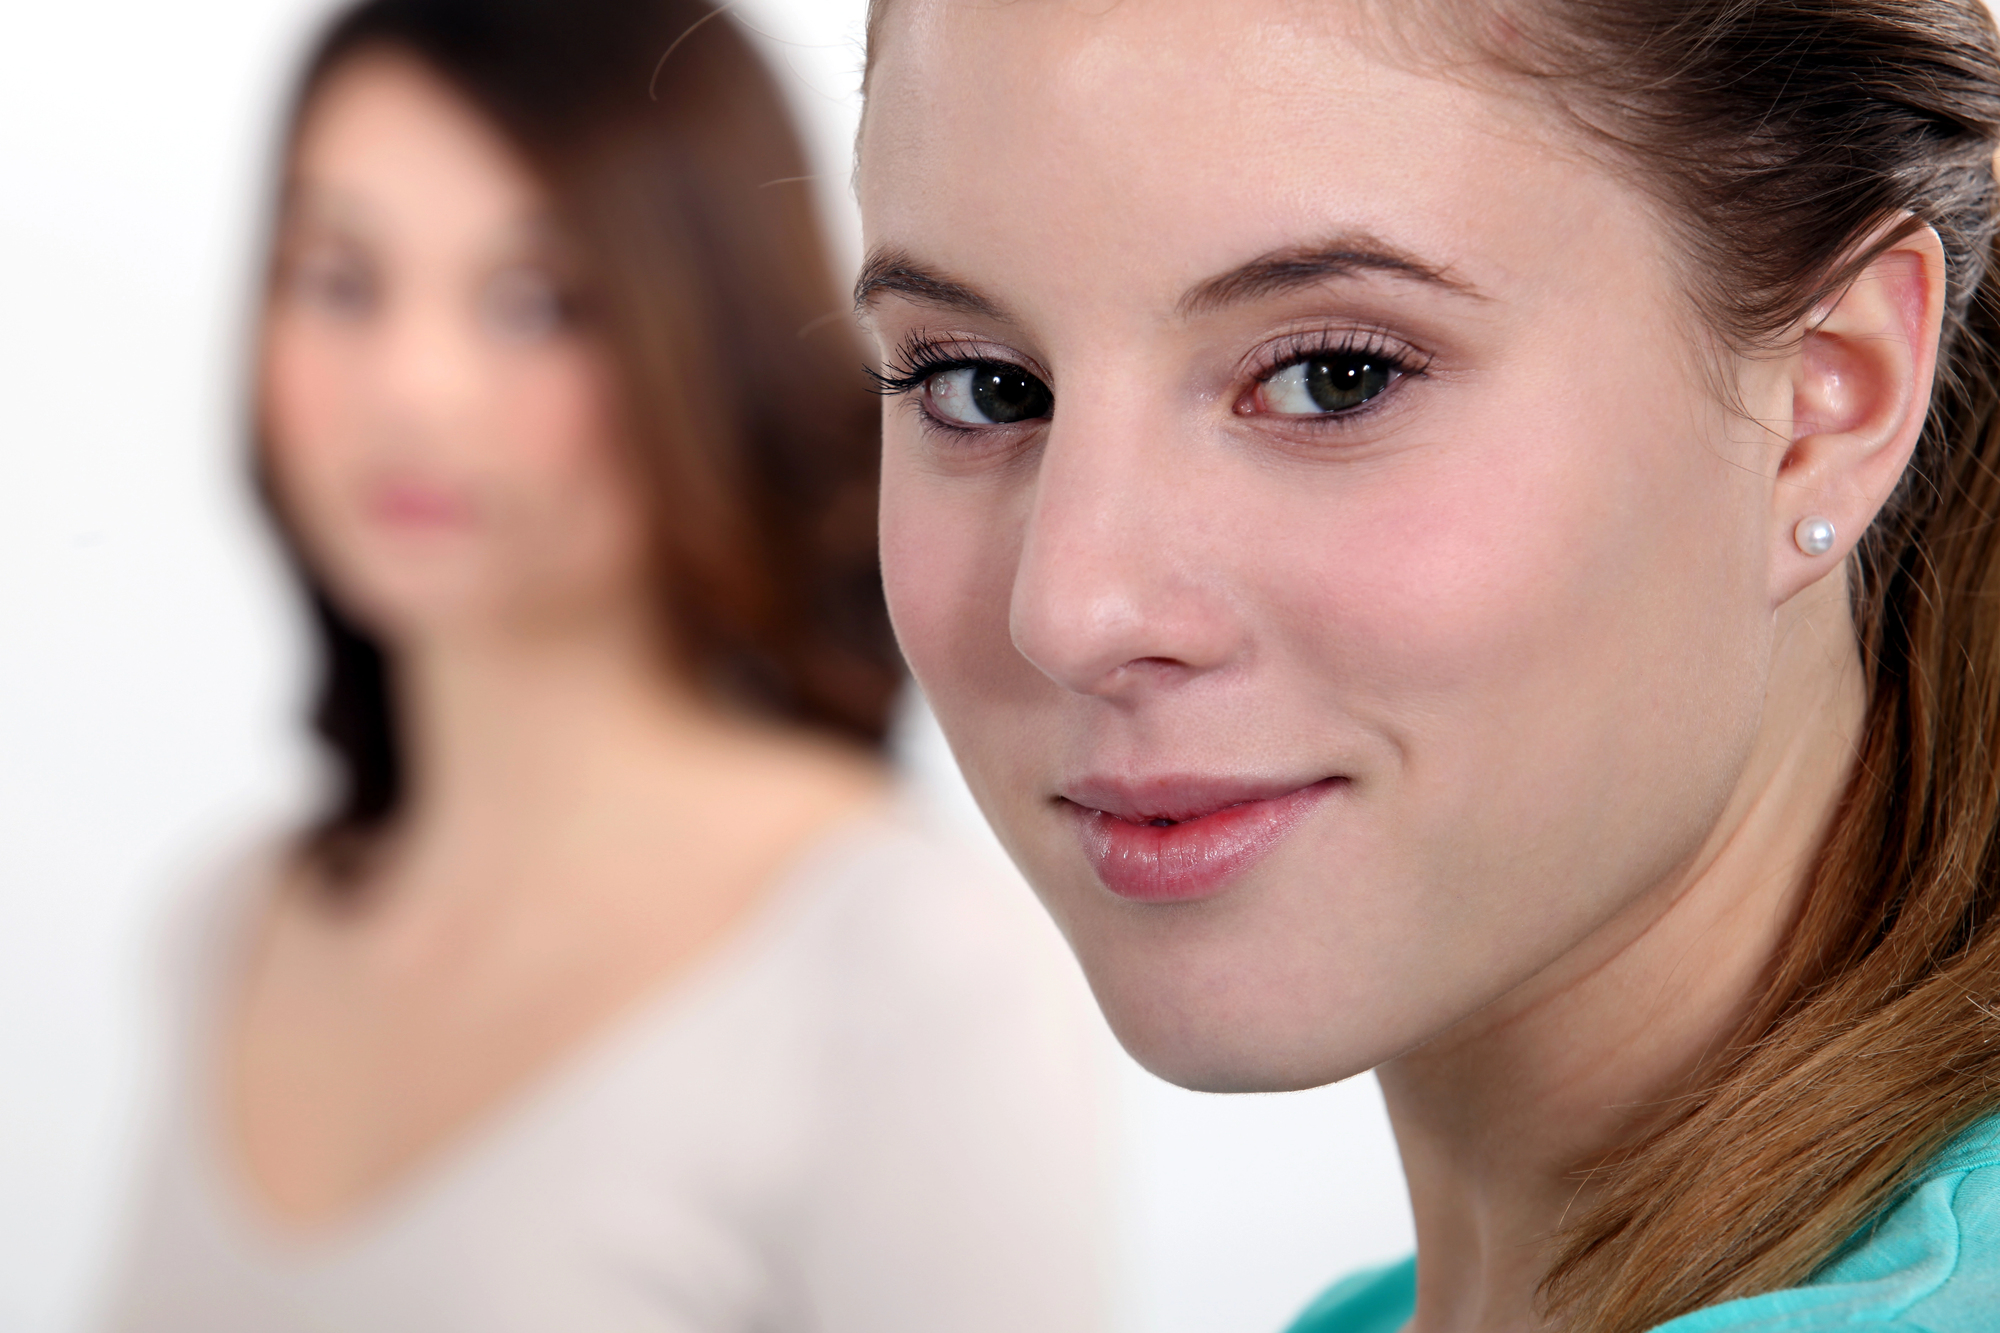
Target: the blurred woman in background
(616, 991)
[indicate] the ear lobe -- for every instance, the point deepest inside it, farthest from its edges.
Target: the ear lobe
(1861, 386)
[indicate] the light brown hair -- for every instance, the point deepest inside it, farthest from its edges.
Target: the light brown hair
(674, 169)
(1789, 142)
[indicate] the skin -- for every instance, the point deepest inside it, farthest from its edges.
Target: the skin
(1538, 610)
(445, 437)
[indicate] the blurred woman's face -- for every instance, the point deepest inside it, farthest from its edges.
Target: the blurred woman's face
(1309, 515)
(442, 431)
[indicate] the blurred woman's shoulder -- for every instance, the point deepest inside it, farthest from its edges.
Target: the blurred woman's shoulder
(961, 1084)
(201, 928)
(906, 898)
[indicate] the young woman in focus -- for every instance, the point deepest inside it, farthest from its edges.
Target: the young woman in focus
(1463, 538)
(618, 990)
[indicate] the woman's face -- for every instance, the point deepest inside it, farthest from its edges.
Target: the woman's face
(1310, 517)
(441, 430)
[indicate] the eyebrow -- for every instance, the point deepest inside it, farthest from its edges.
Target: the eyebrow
(299, 197)
(538, 235)
(894, 271)
(1287, 270)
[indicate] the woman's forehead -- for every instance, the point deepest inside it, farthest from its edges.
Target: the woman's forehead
(1158, 147)
(386, 143)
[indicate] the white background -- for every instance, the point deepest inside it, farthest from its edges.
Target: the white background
(151, 666)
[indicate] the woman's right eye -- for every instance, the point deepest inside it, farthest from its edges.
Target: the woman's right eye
(987, 393)
(335, 286)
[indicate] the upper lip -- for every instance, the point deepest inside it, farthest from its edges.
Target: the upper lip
(1175, 797)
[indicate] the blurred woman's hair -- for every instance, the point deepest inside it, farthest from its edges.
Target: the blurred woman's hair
(1789, 143)
(673, 168)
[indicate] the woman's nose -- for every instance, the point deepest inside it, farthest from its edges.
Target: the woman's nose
(1121, 589)
(429, 363)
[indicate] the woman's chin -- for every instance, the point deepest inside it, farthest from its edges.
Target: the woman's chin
(1226, 1062)
(419, 607)
(1203, 1039)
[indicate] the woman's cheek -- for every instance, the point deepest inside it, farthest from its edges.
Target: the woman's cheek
(947, 568)
(562, 493)
(1424, 583)
(555, 406)
(309, 398)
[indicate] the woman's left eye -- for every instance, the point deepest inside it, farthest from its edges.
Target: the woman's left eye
(1327, 383)
(524, 304)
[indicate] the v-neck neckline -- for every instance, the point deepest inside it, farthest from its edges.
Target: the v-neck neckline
(566, 1079)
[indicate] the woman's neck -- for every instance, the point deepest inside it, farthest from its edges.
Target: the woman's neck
(577, 832)
(539, 759)
(518, 728)
(1500, 1119)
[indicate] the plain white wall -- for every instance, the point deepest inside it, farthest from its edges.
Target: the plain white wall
(150, 664)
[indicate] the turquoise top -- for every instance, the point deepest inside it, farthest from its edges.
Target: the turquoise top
(1930, 1264)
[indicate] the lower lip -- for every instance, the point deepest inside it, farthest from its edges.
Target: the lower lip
(1196, 858)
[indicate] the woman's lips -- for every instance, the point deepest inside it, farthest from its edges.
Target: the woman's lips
(411, 507)
(1182, 840)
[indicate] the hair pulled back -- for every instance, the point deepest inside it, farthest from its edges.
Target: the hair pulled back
(1789, 142)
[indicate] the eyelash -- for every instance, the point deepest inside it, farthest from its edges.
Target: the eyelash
(918, 359)
(1377, 345)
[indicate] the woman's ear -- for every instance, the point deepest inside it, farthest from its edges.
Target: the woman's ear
(1861, 386)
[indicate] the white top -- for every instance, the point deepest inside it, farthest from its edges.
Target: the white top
(877, 1108)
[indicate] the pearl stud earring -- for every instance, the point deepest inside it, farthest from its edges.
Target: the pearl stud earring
(1814, 536)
